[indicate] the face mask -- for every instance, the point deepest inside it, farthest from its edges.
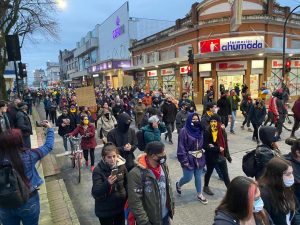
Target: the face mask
(72, 110)
(288, 182)
(196, 124)
(106, 115)
(85, 122)
(258, 205)
(213, 125)
(215, 110)
(161, 160)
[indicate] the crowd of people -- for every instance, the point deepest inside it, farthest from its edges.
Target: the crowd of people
(143, 183)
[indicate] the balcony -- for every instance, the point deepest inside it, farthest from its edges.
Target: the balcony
(90, 45)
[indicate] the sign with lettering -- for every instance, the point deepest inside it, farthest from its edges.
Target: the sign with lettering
(277, 63)
(167, 71)
(234, 65)
(183, 70)
(152, 73)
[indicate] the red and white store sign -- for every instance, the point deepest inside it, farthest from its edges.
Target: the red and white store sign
(152, 73)
(168, 71)
(277, 64)
(183, 69)
(236, 65)
(232, 44)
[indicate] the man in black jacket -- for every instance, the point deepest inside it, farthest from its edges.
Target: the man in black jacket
(224, 108)
(12, 113)
(4, 122)
(24, 124)
(169, 111)
(124, 138)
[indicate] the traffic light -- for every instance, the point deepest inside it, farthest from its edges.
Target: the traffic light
(191, 56)
(22, 70)
(288, 65)
(190, 70)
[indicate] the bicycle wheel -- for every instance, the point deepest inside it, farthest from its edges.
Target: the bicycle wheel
(72, 157)
(289, 123)
(78, 158)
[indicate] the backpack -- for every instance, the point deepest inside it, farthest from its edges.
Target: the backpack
(129, 217)
(249, 163)
(141, 140)
(14, 192)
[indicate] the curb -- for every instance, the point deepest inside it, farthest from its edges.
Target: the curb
(56, 205)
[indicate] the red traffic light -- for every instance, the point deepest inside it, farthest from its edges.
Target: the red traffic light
(288, 64)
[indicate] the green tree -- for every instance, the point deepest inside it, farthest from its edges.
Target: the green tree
(25, 18)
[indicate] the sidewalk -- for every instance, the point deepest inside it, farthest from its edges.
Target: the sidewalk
(56, 205)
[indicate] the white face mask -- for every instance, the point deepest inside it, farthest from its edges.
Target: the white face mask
(258, 205)
(288, 182)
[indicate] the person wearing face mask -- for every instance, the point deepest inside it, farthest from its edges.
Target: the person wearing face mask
(53, 113)
(109, 186)
(181, 117)
(105, 123)
(256, 116)
(24, 124)
(211, 109)
(224, 106)
(216, 152)
(117, 109)
(147, 100)
(276, 186)
(139, 111)
(242, 205)
(125, 139)
(245, 108)
(4, 121)
(154, 129)
(191, 155)
(47, 106)
(66, 124)
(150, 195)
(88, 142)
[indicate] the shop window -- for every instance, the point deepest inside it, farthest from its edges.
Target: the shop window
(277, 42)
(229, 82)
(183, 50)
(295, 44)
(165, 55)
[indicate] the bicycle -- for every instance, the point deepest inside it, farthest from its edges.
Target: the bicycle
(75, 155)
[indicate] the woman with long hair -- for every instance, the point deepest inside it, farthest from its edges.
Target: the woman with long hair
(88, 142)
(242, 205)
(109, 186)
(276, 187)
(23, 161)
(190, 154)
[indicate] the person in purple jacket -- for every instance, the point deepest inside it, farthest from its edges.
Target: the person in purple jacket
(190, 154)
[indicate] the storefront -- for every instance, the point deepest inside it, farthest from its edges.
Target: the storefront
(186, 81)
(140, 80)
(152, 80)
(169, 81)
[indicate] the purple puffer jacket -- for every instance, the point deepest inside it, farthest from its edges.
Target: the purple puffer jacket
(187, 143)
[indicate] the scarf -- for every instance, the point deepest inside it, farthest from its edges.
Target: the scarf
(218, 137)
(156, 171)
(194, 131)
(209, 113)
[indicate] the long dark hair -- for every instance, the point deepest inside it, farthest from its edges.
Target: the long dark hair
(11, 148)
(282, 198)
(239, 198)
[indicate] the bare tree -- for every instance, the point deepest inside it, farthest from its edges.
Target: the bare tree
(25, 18)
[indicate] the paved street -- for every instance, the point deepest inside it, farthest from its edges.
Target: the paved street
(188, 209)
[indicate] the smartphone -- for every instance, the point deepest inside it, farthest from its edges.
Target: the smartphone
(114, 172)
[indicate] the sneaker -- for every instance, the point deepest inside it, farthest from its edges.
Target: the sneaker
(92, 168)
(232, 132)
(178, 189)
(87, 163)
(202, 199)
(249, 129)
(207, 190)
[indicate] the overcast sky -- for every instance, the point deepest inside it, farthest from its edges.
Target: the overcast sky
(81, 16)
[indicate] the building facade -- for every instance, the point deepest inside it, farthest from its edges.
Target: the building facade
(234, 42)
(38, 78)
(52, 73)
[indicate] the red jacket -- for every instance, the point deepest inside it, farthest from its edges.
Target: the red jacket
(86, 142)
(296, 109)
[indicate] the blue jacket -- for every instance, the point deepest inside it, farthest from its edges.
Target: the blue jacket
(47, 104)
(31, 156)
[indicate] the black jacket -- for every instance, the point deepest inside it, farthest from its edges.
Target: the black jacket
(224, 218)
(12, 116)
(109, 199)
(224, 106)
(67, 129)
(122, 135)
(257, 115)
(169, 111)
(23, 123)
(6, 122)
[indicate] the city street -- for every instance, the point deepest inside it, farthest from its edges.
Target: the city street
(188, 209)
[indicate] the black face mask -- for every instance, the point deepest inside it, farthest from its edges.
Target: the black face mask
(106, 115)
(162, 159)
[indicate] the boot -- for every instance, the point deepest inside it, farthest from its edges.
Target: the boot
(207, 190)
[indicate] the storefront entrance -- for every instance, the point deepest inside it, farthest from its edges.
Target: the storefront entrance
(153, 83)
(169, 85)
(228, 82)
(187, 84)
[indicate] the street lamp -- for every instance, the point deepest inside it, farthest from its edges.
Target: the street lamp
(284, 35)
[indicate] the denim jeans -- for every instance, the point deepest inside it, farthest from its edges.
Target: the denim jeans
(233, 117)
(65, 140)
(188, 175)
(170, 128)
(28, 213)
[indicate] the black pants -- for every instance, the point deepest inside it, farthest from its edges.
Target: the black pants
(270, 118)
(170, 128)
(47, 113)
(53, 117)
(92, 155)
(255, 130)
(116, 220)
(224, 120)
(279, 123)
(296, 126)
(223, 169)
(246, 121)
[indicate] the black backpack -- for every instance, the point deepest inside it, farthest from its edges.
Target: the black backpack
(13, 190)
(250, 163)
(141, 140)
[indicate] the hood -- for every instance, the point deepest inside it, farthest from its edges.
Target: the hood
(225, 218)
(123, 125)
(147, 128)
(267, 134)
(141, 161)
(120, 161)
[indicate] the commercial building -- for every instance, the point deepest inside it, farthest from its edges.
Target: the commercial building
(234, 42)
(104, 52)
(9, 75)
(52, 73)
(38, 78)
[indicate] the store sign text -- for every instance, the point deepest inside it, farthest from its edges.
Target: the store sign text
(277, 64)
(232, 44)
(168, 71)
(183, 70)
(152, 73)
(224, 66)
